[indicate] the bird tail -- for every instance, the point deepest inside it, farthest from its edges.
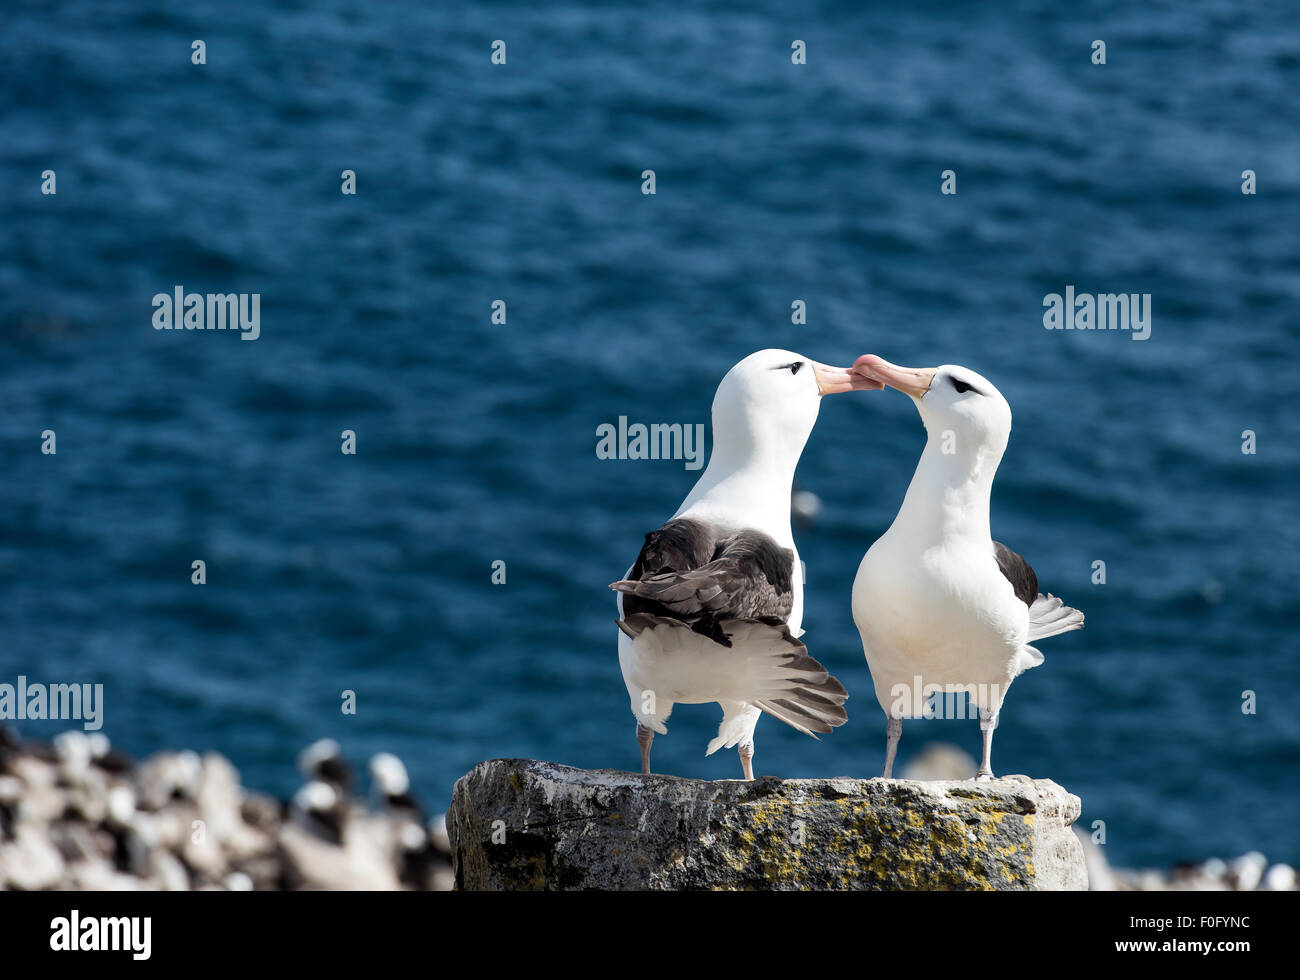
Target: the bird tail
(765, 666)
(1049, 615)
(797, 689)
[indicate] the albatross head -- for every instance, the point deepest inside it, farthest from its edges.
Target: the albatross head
(769, 401)
(950, 398)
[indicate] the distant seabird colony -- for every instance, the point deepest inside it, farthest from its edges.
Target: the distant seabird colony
(79, 815)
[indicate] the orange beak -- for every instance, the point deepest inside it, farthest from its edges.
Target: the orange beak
(910, 381)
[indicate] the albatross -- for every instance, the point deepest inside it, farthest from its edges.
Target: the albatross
(711, 608)
(941, 606)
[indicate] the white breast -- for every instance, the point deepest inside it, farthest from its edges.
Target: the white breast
(937, 615)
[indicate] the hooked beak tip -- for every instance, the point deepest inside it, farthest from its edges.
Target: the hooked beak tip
(833, 380)
(911, 381)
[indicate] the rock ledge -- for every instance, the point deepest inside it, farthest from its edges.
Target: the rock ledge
(520, 824)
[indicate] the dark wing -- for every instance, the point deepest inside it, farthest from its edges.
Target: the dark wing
(677, 546)
(687, 572)
(1017, 571)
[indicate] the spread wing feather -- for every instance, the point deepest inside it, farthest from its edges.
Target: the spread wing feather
(1048, 615)
(766, 667)
(737, 589)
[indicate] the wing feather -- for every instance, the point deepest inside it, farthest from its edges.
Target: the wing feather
(687, 571)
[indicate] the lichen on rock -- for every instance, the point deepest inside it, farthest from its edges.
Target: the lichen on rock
(522, 824)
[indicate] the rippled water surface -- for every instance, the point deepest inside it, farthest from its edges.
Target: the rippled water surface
(521, 182)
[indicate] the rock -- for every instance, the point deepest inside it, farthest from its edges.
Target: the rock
(1100, 877)
(526, 825)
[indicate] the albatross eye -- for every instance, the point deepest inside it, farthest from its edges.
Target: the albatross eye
(794, 368)
(962, 387)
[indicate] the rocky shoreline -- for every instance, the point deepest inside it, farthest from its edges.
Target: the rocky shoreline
(77, 814)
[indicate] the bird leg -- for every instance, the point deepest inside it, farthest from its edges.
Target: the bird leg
(988, 722)
(893, 732)
(746, 751)
(644, 738)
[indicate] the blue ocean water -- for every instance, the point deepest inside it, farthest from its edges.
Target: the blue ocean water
(476, 441)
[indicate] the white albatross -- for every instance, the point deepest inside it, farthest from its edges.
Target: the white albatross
(941, 606)
(711, 608)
